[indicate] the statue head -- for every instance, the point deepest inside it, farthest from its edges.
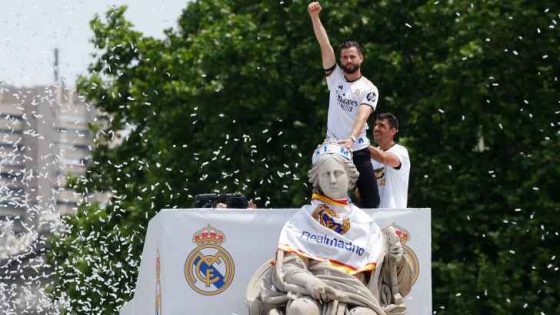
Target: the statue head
(333, 173)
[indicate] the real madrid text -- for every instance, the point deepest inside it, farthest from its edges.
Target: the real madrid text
(333, 242)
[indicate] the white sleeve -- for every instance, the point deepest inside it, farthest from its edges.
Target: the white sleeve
(402, 153)
(370, 97)
(334, 77)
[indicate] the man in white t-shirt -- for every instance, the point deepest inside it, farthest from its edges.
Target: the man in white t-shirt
(390, 162)
(353, 99)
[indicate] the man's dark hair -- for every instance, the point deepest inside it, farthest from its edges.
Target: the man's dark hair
(348, 44)
(391, 118)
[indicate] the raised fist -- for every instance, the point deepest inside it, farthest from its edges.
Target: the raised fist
(314, 8)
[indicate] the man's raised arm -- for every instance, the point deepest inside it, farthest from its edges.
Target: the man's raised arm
(327, 52)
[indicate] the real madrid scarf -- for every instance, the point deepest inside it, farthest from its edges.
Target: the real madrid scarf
(334, 231)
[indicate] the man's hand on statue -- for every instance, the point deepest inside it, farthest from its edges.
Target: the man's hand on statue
(314, 8)
(346, 143)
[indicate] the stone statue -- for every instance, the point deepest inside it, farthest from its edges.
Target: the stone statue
(332, 258)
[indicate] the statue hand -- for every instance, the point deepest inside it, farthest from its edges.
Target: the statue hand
(396, 251)
(320, 291)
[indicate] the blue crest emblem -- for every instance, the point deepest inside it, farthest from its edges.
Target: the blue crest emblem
(328, 218)
(209, 268)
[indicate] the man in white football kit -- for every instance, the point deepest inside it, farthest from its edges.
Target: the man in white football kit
(391, 163)
(353, 99)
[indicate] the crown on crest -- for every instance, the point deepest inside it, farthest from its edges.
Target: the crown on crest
(209, 235)
(331, 147)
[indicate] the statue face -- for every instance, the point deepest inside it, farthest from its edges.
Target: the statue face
(333, 179)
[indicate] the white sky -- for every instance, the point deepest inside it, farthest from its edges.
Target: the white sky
(31, 29)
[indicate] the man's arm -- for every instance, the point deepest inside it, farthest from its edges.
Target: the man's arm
(384, 157)
(363, 114)
(327, 52)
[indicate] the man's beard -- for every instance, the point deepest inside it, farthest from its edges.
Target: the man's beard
(350, 68)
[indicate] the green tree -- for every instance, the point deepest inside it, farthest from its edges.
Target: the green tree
(234, 100)
(485, 75)
(216, 106)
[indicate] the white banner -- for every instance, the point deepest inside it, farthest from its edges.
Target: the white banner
(199, 261)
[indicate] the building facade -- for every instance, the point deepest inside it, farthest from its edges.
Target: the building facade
(44, 138)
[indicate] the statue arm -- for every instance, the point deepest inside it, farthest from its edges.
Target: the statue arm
(397, 272)
(295, 276)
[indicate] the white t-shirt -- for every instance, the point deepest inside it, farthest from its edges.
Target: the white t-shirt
(345, 98)
(393, 182)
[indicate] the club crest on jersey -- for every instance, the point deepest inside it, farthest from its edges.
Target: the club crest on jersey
(380, 176)
(209, 268)
(328, 218)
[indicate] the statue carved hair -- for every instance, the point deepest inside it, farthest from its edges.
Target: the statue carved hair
(350, 168)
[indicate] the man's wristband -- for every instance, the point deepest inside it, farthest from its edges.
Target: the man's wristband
(353, 139)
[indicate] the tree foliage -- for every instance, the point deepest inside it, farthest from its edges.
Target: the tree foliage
(233, 99)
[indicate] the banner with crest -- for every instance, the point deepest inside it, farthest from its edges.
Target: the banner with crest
(342, 234)
(199, 261)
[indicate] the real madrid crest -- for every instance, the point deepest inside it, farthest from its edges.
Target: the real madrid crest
(209, 268)
(328, 218)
